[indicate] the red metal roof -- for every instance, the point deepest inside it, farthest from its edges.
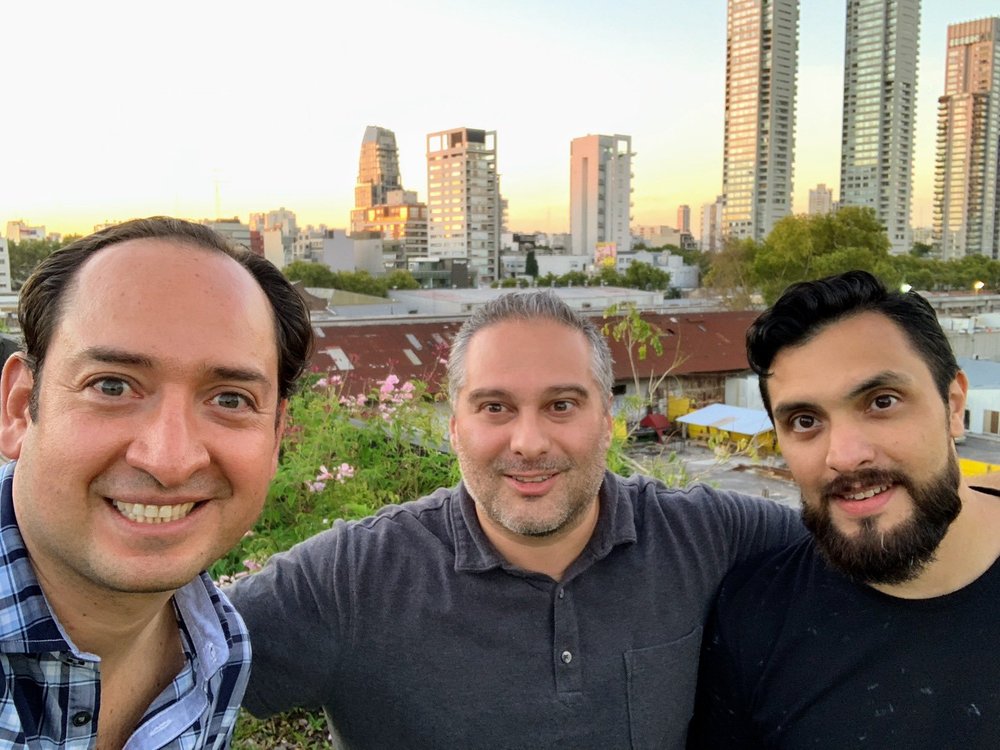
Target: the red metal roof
(365, 353)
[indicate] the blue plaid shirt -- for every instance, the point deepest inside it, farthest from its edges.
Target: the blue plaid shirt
(51, 690)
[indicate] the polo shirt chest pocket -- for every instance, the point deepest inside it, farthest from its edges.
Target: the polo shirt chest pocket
(661, 688)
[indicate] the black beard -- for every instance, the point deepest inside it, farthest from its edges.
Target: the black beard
(900, 554)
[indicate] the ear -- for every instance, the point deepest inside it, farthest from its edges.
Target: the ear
(15, 397)
(452, 433)
(957, 392)
(279, 433)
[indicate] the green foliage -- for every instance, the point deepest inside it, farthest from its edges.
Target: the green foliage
(644, 276)
(531, 264)
(731, 273)
(805, 247)
(401, 279)
(345, 457)
(362, 282)
(26, 255)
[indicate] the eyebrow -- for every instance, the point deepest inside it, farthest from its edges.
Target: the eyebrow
(884, 379)
(112, 356)
(486, 393)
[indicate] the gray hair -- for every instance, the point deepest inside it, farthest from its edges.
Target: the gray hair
(534, 305)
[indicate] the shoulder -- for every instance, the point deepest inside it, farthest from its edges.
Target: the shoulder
(770, 583)
(699, 501)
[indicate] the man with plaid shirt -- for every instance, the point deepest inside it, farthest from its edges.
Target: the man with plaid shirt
(143, 419)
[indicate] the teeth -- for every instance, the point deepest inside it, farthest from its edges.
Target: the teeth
(153, 513)
(867, 493)
(532, 480)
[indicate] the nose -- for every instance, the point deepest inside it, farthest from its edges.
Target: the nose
(848, 448)
(168, 445)
(529, 437)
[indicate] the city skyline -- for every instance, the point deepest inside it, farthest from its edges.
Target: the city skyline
(248, 109)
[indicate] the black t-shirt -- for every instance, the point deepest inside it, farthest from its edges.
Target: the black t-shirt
(798, 656)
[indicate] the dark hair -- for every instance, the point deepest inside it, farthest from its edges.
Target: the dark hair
(807, 307)
(44, 294)
(535, 305)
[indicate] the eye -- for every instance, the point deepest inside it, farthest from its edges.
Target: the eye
(562, 405)
(231, 401)
(113, 387)
(884, 401)
(803, 423)
(493, 408)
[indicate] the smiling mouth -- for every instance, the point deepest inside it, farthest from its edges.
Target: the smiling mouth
(865, 494)
(532, 480)
(146, 513)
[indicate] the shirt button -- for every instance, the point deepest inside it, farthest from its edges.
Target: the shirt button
(562, 593)
(566, 656)
(81, 717)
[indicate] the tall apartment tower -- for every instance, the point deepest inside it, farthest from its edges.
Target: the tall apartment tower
(378, 173)
(463, 199)
(600, 192)
(820, 200)
(684, 218)
(762, 42)
(966, 195)
(880, 97)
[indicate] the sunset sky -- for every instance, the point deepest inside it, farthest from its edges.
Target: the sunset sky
(123, 109)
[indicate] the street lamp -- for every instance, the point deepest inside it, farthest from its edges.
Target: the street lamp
(977, 285)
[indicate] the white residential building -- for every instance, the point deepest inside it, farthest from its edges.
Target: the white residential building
(5, 279)
(711, 225)
(463, 199)
(18, 231)
(820, 200)
(762, 41)
(600, 193)
(880, 98)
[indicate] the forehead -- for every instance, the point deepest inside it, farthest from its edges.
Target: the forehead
(526, 352)
(167, 298)
(844, 353)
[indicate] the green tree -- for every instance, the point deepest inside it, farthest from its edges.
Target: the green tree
(531, 265)
(26, 255)
(644, 276)
(310, 274)
(800, 248)
(731, 273)
(609, 276)
(401, 279)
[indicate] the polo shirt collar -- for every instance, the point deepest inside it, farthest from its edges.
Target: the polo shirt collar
(475, 553)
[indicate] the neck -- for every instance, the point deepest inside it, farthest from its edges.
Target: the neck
(104, 623)
(969, 548)
(550, 555)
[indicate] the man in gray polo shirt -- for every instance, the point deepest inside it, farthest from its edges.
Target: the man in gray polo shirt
(542, 603)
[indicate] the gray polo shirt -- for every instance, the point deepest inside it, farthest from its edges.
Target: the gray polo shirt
(410, 630)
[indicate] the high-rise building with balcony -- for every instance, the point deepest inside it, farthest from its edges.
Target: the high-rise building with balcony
(378, 173)
(600, 192)
(463, 199)
(762, 42)
(820, 200)
(966, 195)
(880, 97)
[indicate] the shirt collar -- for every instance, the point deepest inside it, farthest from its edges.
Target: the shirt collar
(475, 553)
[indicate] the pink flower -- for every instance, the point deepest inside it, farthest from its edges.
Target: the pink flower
(388, 385)
(344, 471)
(252, 565)
(315, 486)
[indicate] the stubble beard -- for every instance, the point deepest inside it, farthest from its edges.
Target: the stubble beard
(875, 556)
(486, 485)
